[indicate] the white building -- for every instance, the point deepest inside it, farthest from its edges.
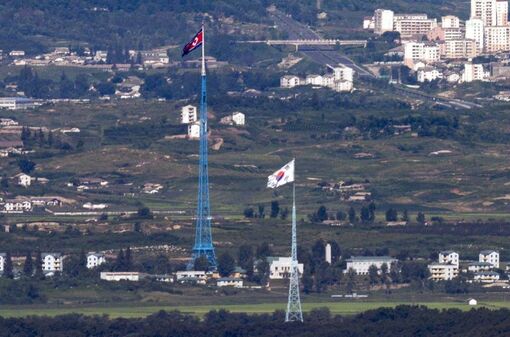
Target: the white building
(501, 12)
(290, 81)
(237, 118)
(327, 256)
(154, 57)
(24, 179)
(188, 114)
(100, 56)
(197, 276)
(279, 267)
(361, 264)
(368, 22)
(473, 72)
(484, 10)
(2, 261)
(475, 31)
(496, 39)
(450, 257)
(343, 74)
(52, 262)
(194, 130)
(95, 259)
(17, 103)
(450, 21)
(343, 86)
(409, 25)
(459, 49)
(121, 276)
(17, 206)
(443, 271)
(229, 282)
(314, 80)
(383, 21)
(421, 51)
(476, 267)
(489, 256)
(428, 74)
(486, 277)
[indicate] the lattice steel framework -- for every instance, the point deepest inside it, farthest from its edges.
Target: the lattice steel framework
(294, 312)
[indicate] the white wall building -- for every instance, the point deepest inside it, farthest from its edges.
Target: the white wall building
(484, 10)
(496, 39)
(473, 72)
(52, 262)
(343, 74)
(24, 180)
(290, 81)
(459, 49)
(238, 118)
(229, 282)
(420, 51)
(450, 21)
(428, 74)
(361, 264)
(443, 271)
(121, 276)
(95, 259)
(2, 261)
(279, 267)
(476, 267)
(191, 274)
(194, 130)
(188, 114)
(343, 86)
(475, 31)
(486, 277)
(450, 257)
(383, 21)
(501, 12)
(314, 80)
(409, 25)
(327, 252)
(489, 256)
(17, 206)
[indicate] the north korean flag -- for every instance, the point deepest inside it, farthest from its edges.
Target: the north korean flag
(194, 43)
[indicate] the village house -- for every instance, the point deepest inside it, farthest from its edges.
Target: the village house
(486, 277)
(188, 114)
(191, 276)
(490, 256)
(150, 188)
(154, 57)
(52, 262)
(443, 271)
(279, 267)
(477, 267)
(449, 256)
(121, 276)
(17, 206)
(314, 80)
(361, 264)
(2, 261)
(237, 118)
(95, 259)
(23, 179)
(290, 81)
(229, 282)
(8, 122)
(194, 130)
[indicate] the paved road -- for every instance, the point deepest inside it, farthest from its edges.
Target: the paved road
(296, 30)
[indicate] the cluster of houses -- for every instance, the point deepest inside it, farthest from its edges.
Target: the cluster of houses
(348, 191)
(340, 80)
(448, 267)
(189, 116)
(443, 50)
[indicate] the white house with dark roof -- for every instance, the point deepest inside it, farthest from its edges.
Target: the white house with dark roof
(52, 262)
(490, 256)
(486, 277)
(443, 271)
(2, 261)
(477, 267)
(279, 267)
(361, 264)
(95, 259)
(290, 81)
(450, 257)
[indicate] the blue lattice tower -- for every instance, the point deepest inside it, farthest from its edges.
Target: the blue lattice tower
(294, 313)
(203, 239)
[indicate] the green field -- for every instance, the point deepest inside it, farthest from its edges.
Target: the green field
(340, 308)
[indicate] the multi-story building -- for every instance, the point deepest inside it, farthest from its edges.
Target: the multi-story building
(194, 130)
(383, 21)
(52, 262)
(459, 49)
(361, 264)
(489, 256)
(290, 81)
(477, 267)
(428, 74)
(484, 10)
(95, 259)
(486, 277)
(501, 12)
(188, 114)
(409, 25)
(473, 72)
(449, 257)
(443, 271)
(450, 21)
(496, 39)
(343, 74)
(314, 80)
(421, 51)
(121, 276)
(475, 31)
(279, 267)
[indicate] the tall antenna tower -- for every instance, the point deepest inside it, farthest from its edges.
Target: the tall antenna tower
(203, 237)
(294, 312)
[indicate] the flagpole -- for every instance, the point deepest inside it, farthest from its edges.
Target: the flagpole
(203, 49)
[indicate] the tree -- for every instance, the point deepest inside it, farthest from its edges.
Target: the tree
(144, 213)
(249, 212)
(4, 183)
(120, 262)
(8, 270)
(201, 263)
(245, 255)
(38, 265)
(226, 264)
(352, 215)
(341, 216)
(405, 216)
(275, 208)
(373, 275)
(284, 213)
(351, 280)
(262, 272)
(336, 252)
(365, 215)
(420, 218)
(391, 215)
(25, 165)
(319, 251)
(322, 213)
(371, 208)
(307, 282)
(105, 88)
(261, 211)
(128, 259)
(264, 250)
(28, 267)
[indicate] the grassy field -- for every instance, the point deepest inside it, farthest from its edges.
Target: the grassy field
(340, 308)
